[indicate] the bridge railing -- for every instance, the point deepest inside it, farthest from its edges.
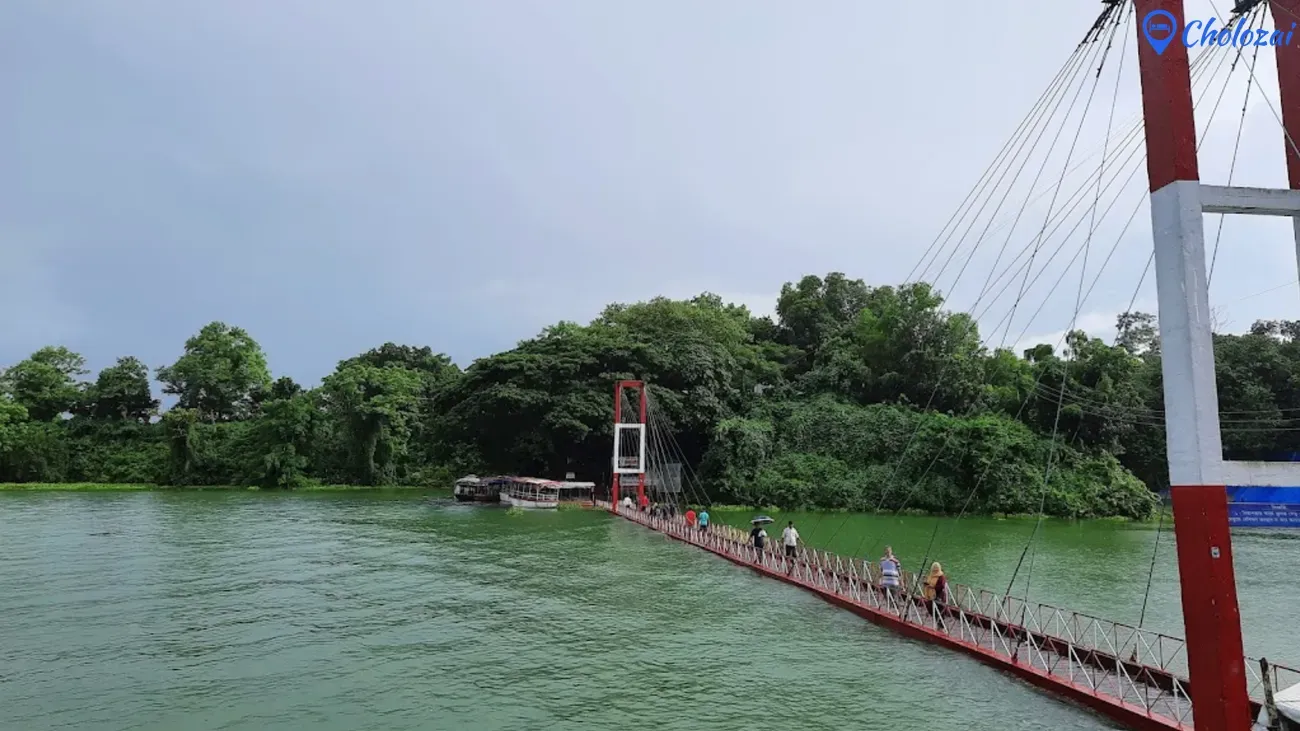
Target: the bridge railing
(1280, 677)
(1136, 665)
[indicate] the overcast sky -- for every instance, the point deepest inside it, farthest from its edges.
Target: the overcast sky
(331, 175)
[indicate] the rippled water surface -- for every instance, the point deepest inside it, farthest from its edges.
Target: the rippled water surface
(248, 611)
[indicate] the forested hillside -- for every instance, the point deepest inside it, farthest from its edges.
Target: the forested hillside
(854, 397)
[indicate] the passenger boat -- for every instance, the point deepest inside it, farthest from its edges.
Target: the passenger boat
(1288, 704)
(534, 492)
(473, 489)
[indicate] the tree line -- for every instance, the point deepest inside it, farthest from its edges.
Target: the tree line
(852, 397)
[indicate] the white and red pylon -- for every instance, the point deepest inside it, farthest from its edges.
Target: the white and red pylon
(1197, 471)
(624, 463)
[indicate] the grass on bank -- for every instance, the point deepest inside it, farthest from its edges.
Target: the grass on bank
(124, 487)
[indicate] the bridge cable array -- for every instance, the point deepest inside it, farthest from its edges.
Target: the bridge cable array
(1018, 278)
(1200, 65)
(952, 253)
(1084, 56)
(670, 479)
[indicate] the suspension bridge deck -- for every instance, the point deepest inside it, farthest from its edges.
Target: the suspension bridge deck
(1135, 676)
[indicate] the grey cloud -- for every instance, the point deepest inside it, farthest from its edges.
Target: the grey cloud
(331, 175)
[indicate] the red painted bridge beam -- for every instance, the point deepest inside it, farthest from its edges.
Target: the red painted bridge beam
(1215, 655)
(618, 419)
(1166, 98)
(1286, 18)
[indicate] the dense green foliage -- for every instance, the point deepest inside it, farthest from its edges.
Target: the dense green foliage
(852, 397)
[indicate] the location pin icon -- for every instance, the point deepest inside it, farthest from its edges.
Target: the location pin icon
(1160, 27)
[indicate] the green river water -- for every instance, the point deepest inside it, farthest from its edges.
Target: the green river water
(164, 611)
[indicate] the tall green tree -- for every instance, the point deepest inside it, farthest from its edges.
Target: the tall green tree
(221, 370)
(122, 392)
(46, 384)
(11, 415)
(375, 407)
(815, 311)
(180, 427)
(437, 374)
(283, 441)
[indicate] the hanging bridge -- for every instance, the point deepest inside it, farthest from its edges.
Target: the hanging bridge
(1132, 674)
(1141, 678)
(1135, 676)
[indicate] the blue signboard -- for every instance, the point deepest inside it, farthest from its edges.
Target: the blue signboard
(1264, 495)
(1263, 515)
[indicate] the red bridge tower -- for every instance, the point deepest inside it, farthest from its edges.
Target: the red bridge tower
(1197, 470)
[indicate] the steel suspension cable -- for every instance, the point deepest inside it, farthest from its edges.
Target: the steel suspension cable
(978, 189)
(907, 446)
(654, 443)
(1042, 372)
(1151, 572)
(1092, 229)
(1136, 210)
(1065, 168)
(1051, 458)
(662, 431)
(1232, 168)
(938, 276)
(1080, 61)
(1078, 131)
(1103, 54)
(674, 446)
(1200, 67)
(1295, 148)
(1134, 134)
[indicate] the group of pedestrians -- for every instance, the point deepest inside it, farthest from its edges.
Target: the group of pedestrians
(790, 540)
(661, 510)
(934, 592)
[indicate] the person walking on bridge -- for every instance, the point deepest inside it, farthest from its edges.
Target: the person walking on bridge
(760, 537)
(790, 539)
(690, 518)
(936, 588)
(890, 575)
(704, 521)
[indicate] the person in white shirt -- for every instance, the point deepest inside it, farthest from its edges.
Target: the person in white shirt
(627, 503)
(790, 539)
